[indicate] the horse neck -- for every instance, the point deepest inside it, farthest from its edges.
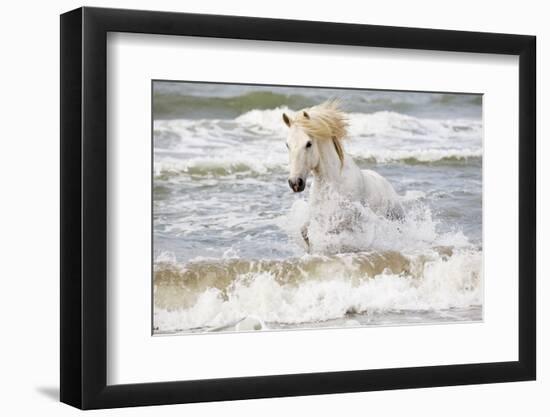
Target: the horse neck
(329, 169)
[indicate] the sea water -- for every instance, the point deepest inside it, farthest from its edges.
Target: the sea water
(227, 244)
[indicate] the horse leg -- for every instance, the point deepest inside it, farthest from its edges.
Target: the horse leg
(305, 237)
(395, 213)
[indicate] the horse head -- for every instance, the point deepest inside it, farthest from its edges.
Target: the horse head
(309, 132)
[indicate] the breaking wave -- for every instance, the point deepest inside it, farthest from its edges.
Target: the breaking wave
(199, 147)
(170, 103)
(209, 295)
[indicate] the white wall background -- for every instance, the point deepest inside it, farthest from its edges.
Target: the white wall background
(29, 225)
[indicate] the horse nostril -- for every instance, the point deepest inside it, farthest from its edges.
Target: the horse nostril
(297, 184)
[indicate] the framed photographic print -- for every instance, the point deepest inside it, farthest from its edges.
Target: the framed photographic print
(257, 208)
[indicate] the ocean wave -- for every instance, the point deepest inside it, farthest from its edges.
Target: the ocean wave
(254, 141)
(196, 100)
(213, 294)
(423, 157)
(185, 106)
(388, 123)
(229, 166)
(211, 166)
(396, 124)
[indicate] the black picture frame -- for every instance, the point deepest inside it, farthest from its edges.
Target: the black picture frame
(84, 207)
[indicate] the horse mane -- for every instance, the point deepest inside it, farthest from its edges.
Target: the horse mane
(325, 121)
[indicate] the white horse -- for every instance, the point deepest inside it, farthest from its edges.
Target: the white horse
(315, 146)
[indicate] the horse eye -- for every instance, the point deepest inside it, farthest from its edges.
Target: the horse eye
(308, 145)
(286, 145)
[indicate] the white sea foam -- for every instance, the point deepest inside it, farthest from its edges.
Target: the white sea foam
(382, 123)
(396, 124)
(265, 121)
(342, 226)
(444, 284)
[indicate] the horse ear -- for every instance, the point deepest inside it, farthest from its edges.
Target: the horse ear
(306, 115)
(286, 119)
